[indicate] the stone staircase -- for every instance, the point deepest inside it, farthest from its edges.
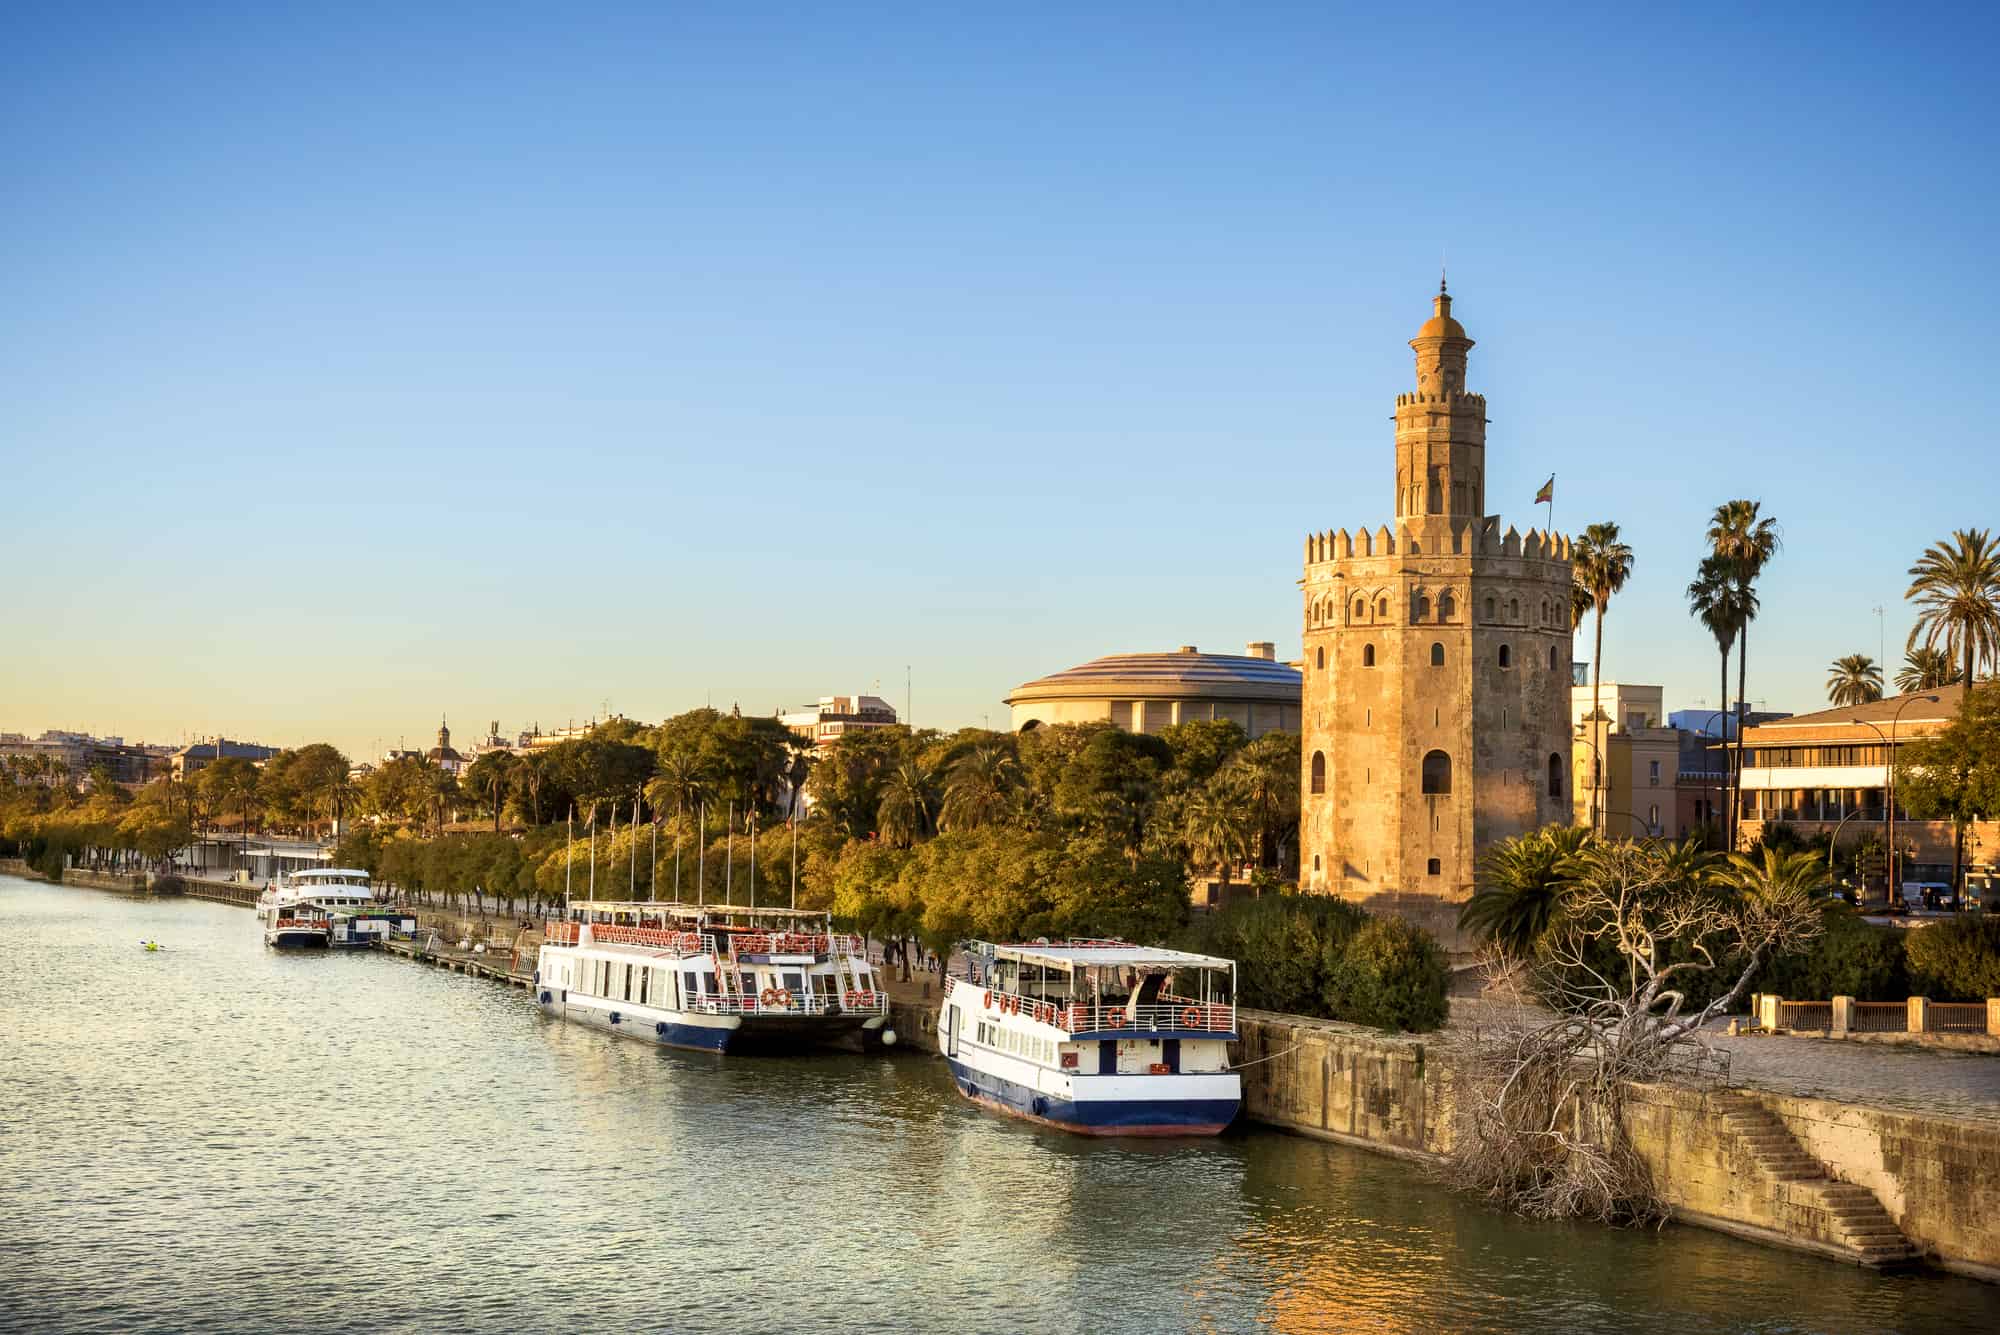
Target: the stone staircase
(1845, 1217)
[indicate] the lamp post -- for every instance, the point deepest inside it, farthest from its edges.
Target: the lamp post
(1889, 780)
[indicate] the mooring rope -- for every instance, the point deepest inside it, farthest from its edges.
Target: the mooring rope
(1266, 1057)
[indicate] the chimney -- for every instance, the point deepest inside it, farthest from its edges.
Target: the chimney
(1264, 649)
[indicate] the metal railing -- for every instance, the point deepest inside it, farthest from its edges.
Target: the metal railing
(1169, 1013)
(807, 1003)
(1880, 1017)
(1955, 1017)
(1805, 1015)
(304, 924)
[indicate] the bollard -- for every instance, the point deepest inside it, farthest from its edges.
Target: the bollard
(1767, 1012)
(1917, 1015)
(1843, 1016)
(1993, 1015)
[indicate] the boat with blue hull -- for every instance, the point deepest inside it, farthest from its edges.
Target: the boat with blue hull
(711, 979)
(1102, 1038)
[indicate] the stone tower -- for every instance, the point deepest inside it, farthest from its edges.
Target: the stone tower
(1437, 668)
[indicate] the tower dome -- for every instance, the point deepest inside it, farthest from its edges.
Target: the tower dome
(1441, 324)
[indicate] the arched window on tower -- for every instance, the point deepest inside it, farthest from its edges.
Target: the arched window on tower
(1382, 607)
(1319, 658)
(1367, 655)
(1506, 656)
(1437, 654)
(1552, 658)
(1319, 772)
(1513, 609)
(1555, 773)
(1360, 608)
(1437, 773)
(1447, 607)
(1489, 609)
(1421, 609)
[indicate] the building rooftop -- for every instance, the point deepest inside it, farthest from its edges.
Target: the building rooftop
(1881, 711)
(1186, 673)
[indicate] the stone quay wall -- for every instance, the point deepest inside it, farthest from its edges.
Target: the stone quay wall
(1938, 1177)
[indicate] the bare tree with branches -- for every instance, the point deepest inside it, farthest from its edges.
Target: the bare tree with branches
(1542, 1127)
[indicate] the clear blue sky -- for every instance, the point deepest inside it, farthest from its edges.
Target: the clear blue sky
(360, 364)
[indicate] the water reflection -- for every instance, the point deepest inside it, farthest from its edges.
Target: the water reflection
(224, 1137)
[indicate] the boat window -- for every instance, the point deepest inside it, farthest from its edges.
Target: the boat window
(749, 983)
(795, 983)
(643, 979)
(689, 990)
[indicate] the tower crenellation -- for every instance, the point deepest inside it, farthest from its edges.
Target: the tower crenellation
(1437, 665)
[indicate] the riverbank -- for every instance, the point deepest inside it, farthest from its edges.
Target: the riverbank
(1870, 1185)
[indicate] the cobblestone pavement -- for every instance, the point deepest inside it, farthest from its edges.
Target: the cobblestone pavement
(1939, 1080)
(1934, 1080)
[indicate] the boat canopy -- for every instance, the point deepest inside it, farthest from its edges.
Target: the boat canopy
(614, 910)
(328, 874)
(1086, 955)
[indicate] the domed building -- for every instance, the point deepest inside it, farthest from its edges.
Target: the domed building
(1148, 692)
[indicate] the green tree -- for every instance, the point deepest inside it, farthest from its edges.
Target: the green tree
(1926, 669)
(1602, 565)
(1219, 827)
(1956, 588)
(980, 787)
(907, 812)
(1854, 679)
(1721, 607)
(491, 778)
(1521, 884)
(231, 783)
(1744, 541)
(1954, 774)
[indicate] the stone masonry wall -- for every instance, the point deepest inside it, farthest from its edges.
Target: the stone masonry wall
(1937, 1176)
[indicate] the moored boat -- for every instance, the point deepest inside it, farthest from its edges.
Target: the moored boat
(713, 979)
(1103, 1038)
(334, 906)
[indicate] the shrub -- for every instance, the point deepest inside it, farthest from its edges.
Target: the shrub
(1389, 974)
(1851, 959)
(1320, 956)
(1956, 960)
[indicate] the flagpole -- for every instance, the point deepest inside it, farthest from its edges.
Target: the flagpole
(795, 858)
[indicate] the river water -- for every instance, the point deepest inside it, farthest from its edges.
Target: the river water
(223, 1138)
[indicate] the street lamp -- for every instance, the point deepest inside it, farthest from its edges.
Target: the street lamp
(1889, 779)
(1597, 775)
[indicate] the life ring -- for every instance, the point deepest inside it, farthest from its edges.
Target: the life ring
(784, 998)
(850, 1000)
(986, 1001)
(768, 997)
(1116, 1020)
(1191, 1018)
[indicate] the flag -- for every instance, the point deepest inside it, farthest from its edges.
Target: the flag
(1548, 491)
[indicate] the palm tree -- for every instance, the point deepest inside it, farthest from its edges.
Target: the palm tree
(1744, 540)
(1218, 828)
(903, 816)
(1956, 587)
(1717, 603)
(980, 788)
(1855, 679)
(492, 777)
(1602, 564)
(1925, 670)
(1523, 880)
(1580, 603)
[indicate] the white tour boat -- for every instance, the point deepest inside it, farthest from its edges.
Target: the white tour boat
(333, 906)
(1099, 1037)
(710, 978)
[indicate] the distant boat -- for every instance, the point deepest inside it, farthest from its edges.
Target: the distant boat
(333, 906)
(1103, 1038)
(711, 979)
